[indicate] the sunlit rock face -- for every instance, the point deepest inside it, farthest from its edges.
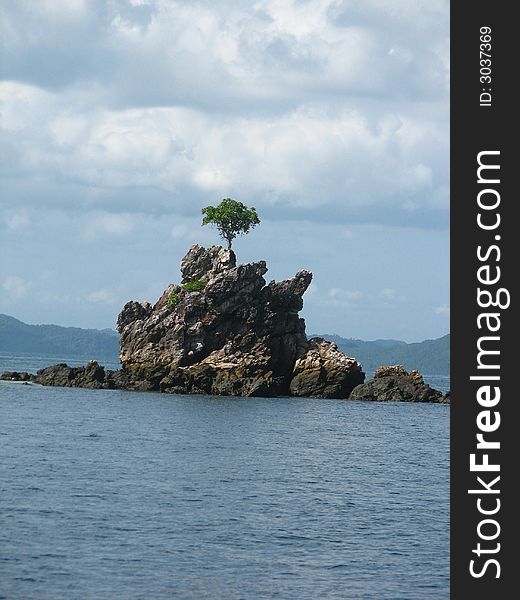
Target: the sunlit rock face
(232, 335)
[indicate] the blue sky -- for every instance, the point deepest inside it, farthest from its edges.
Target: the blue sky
(122, 119)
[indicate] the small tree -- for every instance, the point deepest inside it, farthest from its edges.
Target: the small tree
(231, 218)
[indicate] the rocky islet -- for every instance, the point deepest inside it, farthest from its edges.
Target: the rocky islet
(225, 331)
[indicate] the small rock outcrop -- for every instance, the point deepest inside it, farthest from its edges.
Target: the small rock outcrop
(225, 331)
(202, 264)
(324, 371)
(394, 383)
(21, 376)
(93, 376)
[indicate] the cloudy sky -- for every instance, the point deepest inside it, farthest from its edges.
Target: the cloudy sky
(123, 118)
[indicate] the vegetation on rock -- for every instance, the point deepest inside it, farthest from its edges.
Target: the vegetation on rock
(194, 286)
(173, 299)
(231, 218)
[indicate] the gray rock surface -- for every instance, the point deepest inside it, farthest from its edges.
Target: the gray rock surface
(17, 376)
(394, 383)
(93, 375)
(324, 371)
(236, 336)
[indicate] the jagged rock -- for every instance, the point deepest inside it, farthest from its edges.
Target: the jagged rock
(235, 336)
(230, 333)
(133, 311)
(203, 264)
(325, 372)
(394, 383)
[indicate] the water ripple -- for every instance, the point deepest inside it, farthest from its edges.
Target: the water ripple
(215, 498)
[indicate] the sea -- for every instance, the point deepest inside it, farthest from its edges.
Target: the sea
(128, 495)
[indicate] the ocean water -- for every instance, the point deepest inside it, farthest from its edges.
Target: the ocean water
(32, 362)
(112, 494)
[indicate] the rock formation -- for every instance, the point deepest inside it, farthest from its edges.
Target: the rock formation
(22, 376)
(224, 331)
(93, 375)
(394, 383)
(325, 372)
(234, 335)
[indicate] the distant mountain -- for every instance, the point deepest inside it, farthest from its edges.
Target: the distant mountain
(16, 336)
(431, 357)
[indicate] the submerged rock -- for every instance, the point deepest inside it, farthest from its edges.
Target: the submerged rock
(394, 383)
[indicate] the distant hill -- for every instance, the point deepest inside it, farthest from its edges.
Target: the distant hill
(429, 357)
(16, 336)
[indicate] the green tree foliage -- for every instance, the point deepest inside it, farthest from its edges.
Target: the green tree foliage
(231, 218)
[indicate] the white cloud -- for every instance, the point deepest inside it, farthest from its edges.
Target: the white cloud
(117, 224)
(312, 290)
(443, 309)
(347, 296)
(230, 56)
(18, 220)
(179, 231)
(318, 106)
(104, 296)
(61, 7)
(16, 287)
(388, 293)
(97, 224)
(303, 160)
